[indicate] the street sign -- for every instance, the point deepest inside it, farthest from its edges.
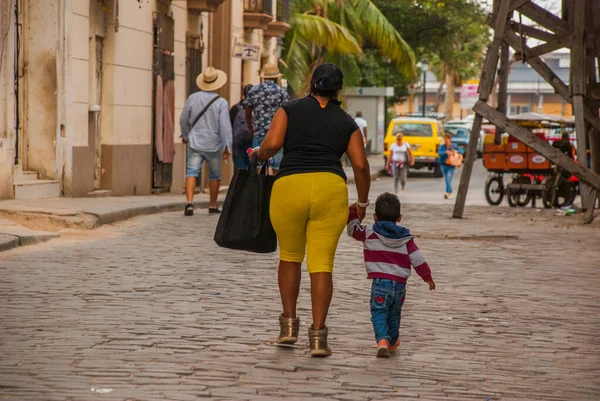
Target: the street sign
(246, 51)
(469, 94)
(411, 89)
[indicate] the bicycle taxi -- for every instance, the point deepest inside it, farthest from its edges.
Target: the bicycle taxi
(532, 176)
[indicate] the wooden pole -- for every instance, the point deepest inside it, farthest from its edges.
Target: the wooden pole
(540, 146)
(503, 86)
(579, 87)
(485, 87)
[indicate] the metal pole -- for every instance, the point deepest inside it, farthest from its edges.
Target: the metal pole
(424, 90)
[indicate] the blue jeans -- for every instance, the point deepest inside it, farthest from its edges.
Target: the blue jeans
(448, 172)
(387, 298)
(275, 160)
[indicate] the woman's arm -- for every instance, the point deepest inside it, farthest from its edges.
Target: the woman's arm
(412, 159)
(362, 172)
(274, 139)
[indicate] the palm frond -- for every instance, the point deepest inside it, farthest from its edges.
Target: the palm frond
(298, 59)
(378, 30)
(326, 33)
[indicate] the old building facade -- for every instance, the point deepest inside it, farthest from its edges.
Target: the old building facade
(91, 90)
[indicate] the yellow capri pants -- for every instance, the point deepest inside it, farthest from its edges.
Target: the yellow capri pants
(309, 212)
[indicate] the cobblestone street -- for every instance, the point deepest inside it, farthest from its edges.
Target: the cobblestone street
(156, 311)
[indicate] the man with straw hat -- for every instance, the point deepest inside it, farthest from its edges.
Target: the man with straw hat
(206, 129)
(261, 103)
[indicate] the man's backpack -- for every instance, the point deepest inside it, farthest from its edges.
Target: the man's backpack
(242, 139)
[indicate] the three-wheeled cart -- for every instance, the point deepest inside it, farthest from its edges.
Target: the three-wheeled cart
(532, 176)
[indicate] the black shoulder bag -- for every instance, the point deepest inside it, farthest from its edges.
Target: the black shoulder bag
(202, 112)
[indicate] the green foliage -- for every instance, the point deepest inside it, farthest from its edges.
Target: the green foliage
(451, 34)
(336, 31)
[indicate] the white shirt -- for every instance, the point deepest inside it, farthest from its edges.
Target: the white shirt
(362, 124)
(399, 152)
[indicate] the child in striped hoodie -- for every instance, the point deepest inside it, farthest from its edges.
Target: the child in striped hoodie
(389, 252)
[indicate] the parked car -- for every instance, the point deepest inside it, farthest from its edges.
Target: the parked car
(424, 136)
(468, 124)
(460, 137)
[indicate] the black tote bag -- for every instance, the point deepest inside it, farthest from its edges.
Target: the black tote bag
(244, 223)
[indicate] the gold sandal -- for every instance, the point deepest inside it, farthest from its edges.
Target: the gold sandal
(288, 330)
(318, 342)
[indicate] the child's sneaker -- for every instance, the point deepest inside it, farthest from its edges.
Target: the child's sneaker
(393, 348)
(382, 348)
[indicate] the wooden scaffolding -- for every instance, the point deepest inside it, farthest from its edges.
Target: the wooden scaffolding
(578, 28)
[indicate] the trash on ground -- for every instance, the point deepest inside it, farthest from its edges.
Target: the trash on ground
(101, 390)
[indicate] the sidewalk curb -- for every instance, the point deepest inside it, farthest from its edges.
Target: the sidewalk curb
(8, 242)
(91, 220)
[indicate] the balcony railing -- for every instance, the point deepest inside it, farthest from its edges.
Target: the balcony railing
(258, 6)
(283, 10)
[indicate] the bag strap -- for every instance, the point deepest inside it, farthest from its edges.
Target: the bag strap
(204, 111)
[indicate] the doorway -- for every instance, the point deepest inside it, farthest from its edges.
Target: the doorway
(163, 106)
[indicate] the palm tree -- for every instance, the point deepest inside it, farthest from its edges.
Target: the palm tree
(334, 31)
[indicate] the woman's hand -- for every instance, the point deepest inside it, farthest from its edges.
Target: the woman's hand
(361, 212)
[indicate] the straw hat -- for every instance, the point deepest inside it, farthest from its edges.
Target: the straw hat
(211, 79)
(270, 71)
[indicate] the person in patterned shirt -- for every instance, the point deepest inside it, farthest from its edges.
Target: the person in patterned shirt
(261, 103)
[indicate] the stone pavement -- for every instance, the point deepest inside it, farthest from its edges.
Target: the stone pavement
(158, 312)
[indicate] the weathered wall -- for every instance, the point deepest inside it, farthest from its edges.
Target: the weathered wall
(41, 86)
(7, 100)
(126, 122)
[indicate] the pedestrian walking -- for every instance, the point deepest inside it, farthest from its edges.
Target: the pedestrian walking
(309, 200)
(261, 104)
(446, 151)
(362, 124)
(206, 130)
(242, 138)
(399, 160)
(390, 252)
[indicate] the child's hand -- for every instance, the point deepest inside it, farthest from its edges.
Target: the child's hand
(431, 285)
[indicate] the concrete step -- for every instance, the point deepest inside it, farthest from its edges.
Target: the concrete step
(21, 175)
(99, 193)
(37, 189)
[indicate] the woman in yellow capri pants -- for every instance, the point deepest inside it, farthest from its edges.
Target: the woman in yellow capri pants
(309, 202)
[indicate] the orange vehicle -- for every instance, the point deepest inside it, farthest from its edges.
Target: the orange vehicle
(533, 176)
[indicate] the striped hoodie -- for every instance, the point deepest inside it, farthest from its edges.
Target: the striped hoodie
(389, 250)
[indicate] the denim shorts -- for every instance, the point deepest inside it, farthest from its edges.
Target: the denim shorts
(195, 158)
(275, 160)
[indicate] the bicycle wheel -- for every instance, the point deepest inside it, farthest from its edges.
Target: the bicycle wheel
(519, 197)
(565, 194)
(494, 190)
(549, 192)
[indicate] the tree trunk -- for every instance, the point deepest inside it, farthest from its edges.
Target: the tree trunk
(449, 103)
(438, 97)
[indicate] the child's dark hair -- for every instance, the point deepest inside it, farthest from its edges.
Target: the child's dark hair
(387, 207)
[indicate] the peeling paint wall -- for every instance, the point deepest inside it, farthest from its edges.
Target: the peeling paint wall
(7, 99)
(41, 45)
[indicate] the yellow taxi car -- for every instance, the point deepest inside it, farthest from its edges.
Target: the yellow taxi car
(425, 135)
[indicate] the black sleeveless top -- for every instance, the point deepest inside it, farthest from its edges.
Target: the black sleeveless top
(316, 137)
